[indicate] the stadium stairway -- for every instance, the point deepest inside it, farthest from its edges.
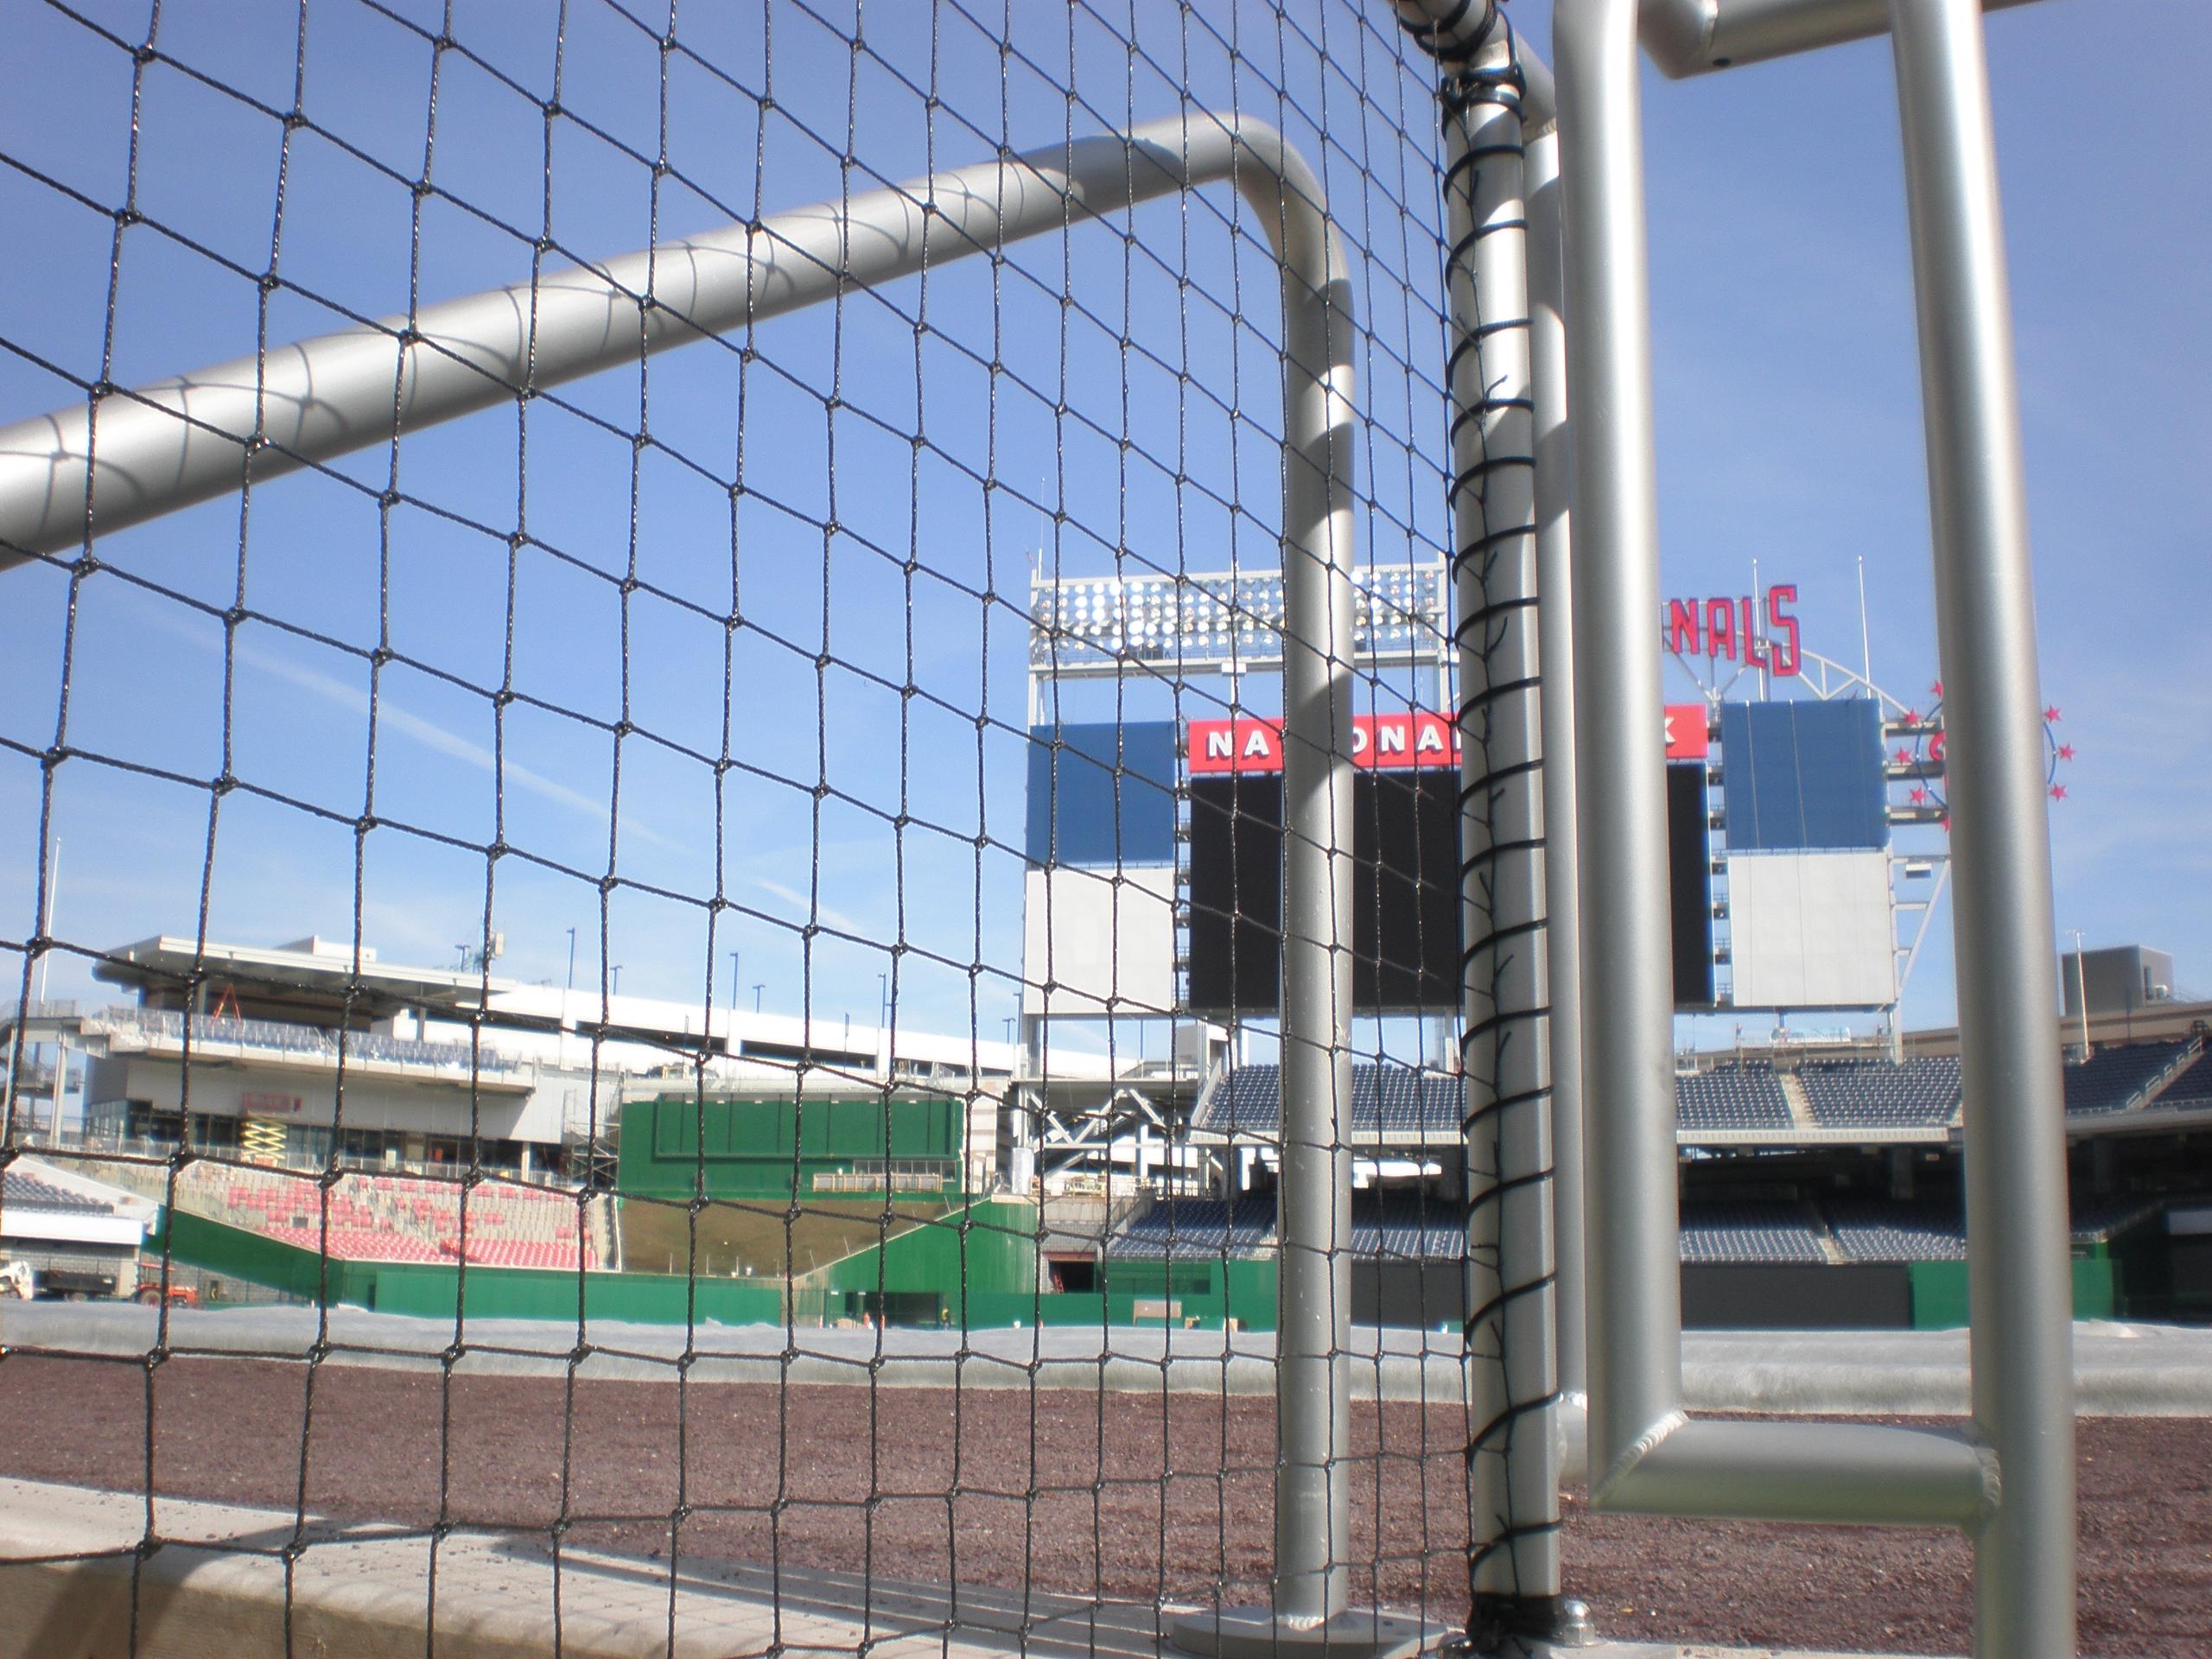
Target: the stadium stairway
(1801, 1104)
(1824, 1235)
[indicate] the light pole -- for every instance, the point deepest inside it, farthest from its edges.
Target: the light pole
(757, 990)
(52, 898)
(2080, 988)
(615, 974)
(736, 960)
(568, 991)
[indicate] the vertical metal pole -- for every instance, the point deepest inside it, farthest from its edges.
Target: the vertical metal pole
(1313, 1377)
(1634, 1287)
(1555, 643)
(2016, 1248)
(1513, 1481)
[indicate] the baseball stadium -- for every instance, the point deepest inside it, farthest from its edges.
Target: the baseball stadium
(1258, 1021)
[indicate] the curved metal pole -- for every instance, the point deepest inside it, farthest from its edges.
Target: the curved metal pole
(1693, 37)
(187, 439)
(1643, 1454)
(2018, 1275)
(197, 436)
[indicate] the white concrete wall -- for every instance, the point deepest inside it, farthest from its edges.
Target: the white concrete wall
(427, 1108)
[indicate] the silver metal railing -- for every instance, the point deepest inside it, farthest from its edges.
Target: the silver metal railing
(1643, 1454)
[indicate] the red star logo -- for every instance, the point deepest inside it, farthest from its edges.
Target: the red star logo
(1904, 757)
(2051, 713)
(1936, 690)
(2058, 791)
(2066, 751)
(1918, 796)
(1912, 716)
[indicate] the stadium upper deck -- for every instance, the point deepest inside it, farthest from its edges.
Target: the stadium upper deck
(1777, 1099)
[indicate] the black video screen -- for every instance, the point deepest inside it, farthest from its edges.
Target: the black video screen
(1689, 879)
(1405, 892)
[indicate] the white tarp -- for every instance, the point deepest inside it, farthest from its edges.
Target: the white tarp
(1094, 937)
(1811, 930)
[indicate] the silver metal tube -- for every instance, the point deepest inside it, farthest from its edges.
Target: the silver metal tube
(1691, 37)
(1513, 1482)
(1634, 1290)
(1313, 1369)
(2019, 1277)
(1555, 640)
(1806, 1472)
(178, 442)
(1638, 1437)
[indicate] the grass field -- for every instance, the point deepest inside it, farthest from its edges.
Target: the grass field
(659, 1235)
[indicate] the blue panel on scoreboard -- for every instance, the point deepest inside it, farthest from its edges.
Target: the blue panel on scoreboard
(1102, 795)
(1804, 776)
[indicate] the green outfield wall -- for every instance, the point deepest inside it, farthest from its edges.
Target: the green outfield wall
(930, 1273)
(1200, 1294)
(432, 1290)
(1939, 1292)
(775, 1148)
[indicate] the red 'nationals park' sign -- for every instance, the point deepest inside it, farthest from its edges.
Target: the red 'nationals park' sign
(1388, 743)
(1379, 743)
(1727, 627)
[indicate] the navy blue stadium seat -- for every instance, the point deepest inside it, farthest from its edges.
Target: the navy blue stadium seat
(2192, 1091)
(1747, 1231)
(1922, 1093)
(1730, 1097)
(1196, 1229)
(1407, 1227)
(1394, 1100)
(2113, 1080)
(1879, 1231)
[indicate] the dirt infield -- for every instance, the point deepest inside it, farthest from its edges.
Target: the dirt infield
(1062, 1489)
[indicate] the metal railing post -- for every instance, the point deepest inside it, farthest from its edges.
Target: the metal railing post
(1644, 1453)
(1562, 856)
(2019, 1282)
(1513, 1474)
(1313, 1324)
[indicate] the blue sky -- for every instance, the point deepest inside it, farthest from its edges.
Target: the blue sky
(1787, 392)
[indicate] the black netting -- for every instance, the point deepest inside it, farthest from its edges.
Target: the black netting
(655, 980)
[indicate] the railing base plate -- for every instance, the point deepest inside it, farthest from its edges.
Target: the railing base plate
(1256, 1633)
